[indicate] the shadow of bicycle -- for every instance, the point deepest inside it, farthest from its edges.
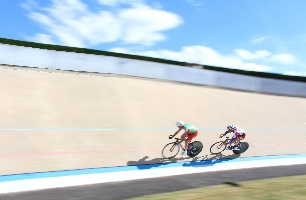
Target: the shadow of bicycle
(210, 161)
(145, 163)
(207, 160)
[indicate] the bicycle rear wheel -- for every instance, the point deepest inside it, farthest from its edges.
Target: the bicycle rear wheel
(195, 148)
(243, 146)
(217, 148)
(170, 150)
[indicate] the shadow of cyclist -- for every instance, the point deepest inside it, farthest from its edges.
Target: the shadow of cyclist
(209, 161)
(144, 163)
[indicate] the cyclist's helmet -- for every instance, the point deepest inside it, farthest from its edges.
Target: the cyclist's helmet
(230, 127)
(180, 123)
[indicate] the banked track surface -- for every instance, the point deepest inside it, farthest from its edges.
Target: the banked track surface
(59, 120)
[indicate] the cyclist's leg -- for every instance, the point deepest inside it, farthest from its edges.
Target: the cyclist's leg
(190, 138)
(192, 135)
(231, 141)
(242, 136)
(186, 143)
(239, 138)
(183, 138)
(236, 140)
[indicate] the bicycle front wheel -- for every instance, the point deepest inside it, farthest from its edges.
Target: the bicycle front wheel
(217, 148)
(170, 150)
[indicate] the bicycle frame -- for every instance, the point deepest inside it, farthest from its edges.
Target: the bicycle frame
(225, 141)
(175, 146)
(237, 138)
(231, 147)
(177, 140)
(222, 145)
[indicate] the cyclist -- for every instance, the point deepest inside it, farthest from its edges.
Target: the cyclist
(238, 132)
(190, 132)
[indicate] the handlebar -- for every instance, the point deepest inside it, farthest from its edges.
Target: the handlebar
(177, 139)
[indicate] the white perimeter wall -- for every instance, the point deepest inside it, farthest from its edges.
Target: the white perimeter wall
(32, 57)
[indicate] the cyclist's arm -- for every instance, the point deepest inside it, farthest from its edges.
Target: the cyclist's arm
(224, 134)
(177, 132)
(234, 135)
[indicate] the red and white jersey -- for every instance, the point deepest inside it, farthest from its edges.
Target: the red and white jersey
(236, 131)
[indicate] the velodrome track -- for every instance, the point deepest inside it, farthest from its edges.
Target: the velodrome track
(59, 120)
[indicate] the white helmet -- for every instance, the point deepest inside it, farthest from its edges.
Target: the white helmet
(230, 127)
(180, 123)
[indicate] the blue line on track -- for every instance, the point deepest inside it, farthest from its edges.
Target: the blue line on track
(202, 163)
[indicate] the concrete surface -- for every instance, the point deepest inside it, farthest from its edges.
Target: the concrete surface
(136, 188)
(49, 119)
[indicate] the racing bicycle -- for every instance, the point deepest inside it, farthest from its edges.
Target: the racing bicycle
(220, 146)
(173, 148)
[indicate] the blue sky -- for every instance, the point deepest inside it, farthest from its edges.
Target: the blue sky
(256, 35)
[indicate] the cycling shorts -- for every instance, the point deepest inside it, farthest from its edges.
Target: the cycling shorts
(192, 135)
(241, 137)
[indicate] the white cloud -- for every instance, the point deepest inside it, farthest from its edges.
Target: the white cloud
(109, 2)
(157, 5)
(144, 24)
(42, 38)
(244, 54)
(200, 55)
(29, 5)
(258, 40)
(116, 2)
(284, 58)
(294, 73)
(71, 22)
(265, 56)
